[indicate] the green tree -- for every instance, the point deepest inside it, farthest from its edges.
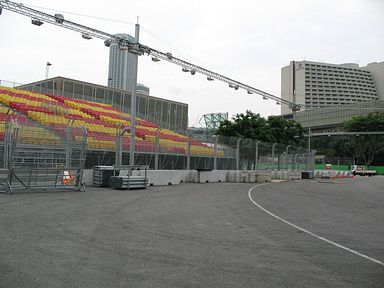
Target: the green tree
(282, 131)
(248, 125)
(275, 129)
(366, 147)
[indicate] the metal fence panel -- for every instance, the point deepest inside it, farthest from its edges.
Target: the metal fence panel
(35, 157)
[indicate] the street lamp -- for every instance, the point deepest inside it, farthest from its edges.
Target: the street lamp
(47, 69)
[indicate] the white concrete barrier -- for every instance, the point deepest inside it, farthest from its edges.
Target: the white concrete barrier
(174, 177)
(213, 176)
(248, 176)
(88, 177)
(333, 174)
(169, 177)
(294, 175)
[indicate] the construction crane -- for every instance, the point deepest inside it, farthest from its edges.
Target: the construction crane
(39, 18)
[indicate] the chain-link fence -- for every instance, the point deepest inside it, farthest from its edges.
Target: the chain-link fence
(36, 157)
(216, 153)
(348, 148)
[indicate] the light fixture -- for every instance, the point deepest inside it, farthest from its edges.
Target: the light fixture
(59, 18)
(236, 87)
(107, 43)
(265, 98)
(86, 36)
(123, 47)
(37, 22)
(231, 86)
(193, 71)
(155, 59)
(185, 69)
(209, 78)
(277, 103)
(249, 92)
(169, 55)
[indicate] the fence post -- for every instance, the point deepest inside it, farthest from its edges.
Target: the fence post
(273, 155)
(118, 153)
(294, 165)
(257, 154)
(119, 145)
(238, 154)
(215, 153)
(14, 135)
(287, 156)
(68, 156)
(189, 152)
(79, 177)
(157, 148)
(7, 139)
(313, 155)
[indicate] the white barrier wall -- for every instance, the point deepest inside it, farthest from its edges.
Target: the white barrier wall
(174, 177)
(213, 176)
(333, 174)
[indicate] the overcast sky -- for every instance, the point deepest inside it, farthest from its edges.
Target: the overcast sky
(247, 40)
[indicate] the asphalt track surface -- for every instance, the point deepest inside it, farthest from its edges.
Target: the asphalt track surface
(196, 235)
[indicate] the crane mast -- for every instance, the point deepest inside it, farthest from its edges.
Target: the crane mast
(38, 18)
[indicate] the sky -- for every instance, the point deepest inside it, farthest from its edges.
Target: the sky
(246, 40)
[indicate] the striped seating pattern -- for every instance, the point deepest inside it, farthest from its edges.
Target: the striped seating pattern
(100, 120)
(31, 134)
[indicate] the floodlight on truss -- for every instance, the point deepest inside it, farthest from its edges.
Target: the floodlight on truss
(39, 17)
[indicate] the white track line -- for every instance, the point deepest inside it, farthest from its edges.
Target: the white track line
(309, 232)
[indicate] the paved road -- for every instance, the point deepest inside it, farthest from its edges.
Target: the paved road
(195, 235)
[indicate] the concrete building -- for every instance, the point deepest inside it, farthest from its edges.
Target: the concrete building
(165, 113)
(331, 119)
(317, 85)
(377, 72)
(120, 71)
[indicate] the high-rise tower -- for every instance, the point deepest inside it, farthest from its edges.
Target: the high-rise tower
(120, 72)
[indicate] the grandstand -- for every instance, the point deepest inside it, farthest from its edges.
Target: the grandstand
(52, 115)
(166, 113)
(47, 142)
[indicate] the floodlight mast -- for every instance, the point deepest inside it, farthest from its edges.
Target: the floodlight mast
(138, 49)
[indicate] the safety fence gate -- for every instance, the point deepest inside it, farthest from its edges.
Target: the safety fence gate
(34, 158)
